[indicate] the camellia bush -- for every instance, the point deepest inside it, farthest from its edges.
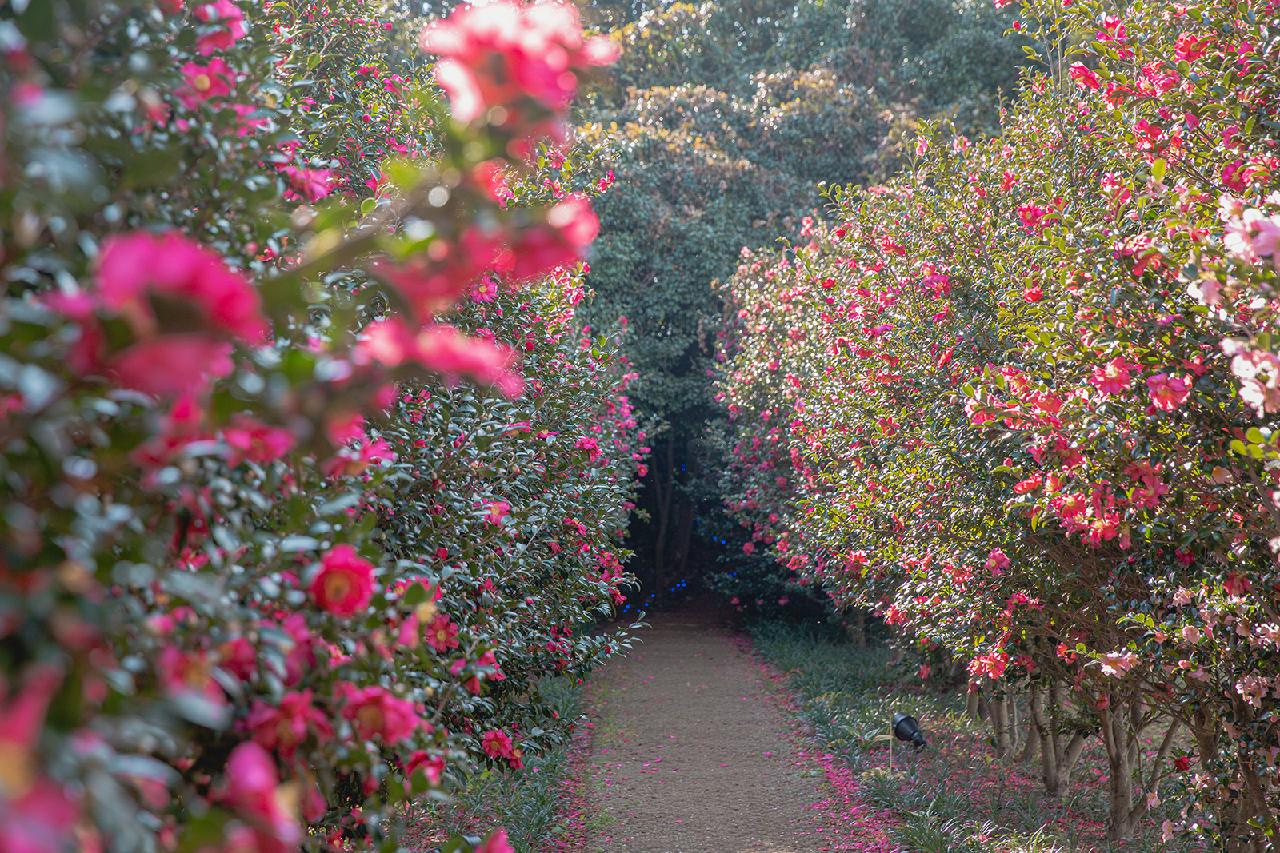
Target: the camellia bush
(311, 476)
(1021, 400)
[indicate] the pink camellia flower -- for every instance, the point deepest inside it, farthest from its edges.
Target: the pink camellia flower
(496, 511)
(997, 562)
(376, 713)
(990, 665)
(1116, 664)
(497, 744)
(250, 787)
(134, 265)
(1167, 392)
(205, 82)
(1034, 218)
(485, 290)
(1189, 47)
(282, 729)
(497, 843)
(1112, 377)
(253, 441)
(445, 350)
(1084, 76)
(1250, 235)
(230, 20)
(182, 671)
(442, 634)
(431, 765)
(344, 584)
(172, 364)
(571, 226)
(496, 54)
(590, 445)
(306, 183)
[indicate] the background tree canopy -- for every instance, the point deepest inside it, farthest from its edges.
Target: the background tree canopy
(725, 118)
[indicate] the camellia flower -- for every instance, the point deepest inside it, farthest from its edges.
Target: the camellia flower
(496, 511)
(344, 584)
(498, 54)
(497, 843)
(307, 183)
(1084, 76)
(132, 266)
(497, 744)
(997, 562)
(376, 713)
(251, 789)
(1167, 392)
(282, 729)
(253, 441)
(442, 634)
(990, 665)
(205, 82)
(230, 20)
(1116, 664)
(1112, 377)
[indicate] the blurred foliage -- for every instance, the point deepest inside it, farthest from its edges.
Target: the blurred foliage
(724, 117)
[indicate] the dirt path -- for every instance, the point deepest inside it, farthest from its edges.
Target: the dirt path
(691, 754)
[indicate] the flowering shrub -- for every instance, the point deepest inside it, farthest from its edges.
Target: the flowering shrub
(311, 474)
(1018, 400)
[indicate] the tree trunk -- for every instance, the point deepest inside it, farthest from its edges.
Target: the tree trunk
(1058, 755)
(972, 703)
(999, 709)
(664, 492)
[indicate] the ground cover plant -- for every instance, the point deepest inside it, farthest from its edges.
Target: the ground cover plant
(312, 478)
(954, 795)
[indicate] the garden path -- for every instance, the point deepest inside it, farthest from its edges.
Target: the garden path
(690, 752)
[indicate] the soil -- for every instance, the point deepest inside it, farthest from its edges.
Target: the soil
(692, 754)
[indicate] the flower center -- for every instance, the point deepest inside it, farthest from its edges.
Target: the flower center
(336, 586)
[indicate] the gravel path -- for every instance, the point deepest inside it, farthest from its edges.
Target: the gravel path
(690, 754)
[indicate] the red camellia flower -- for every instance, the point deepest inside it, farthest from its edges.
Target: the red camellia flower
(344, 584)
(376, 713)
(497, 744)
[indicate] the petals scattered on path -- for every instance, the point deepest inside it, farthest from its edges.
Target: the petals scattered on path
(695, 749)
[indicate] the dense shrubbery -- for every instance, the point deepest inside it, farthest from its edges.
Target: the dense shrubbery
(310, 473)
(1021, 400)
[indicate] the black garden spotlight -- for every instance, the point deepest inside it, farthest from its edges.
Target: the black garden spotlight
(906, 728)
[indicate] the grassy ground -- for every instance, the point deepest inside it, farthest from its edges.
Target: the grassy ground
(528, 803)
(953, 797)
